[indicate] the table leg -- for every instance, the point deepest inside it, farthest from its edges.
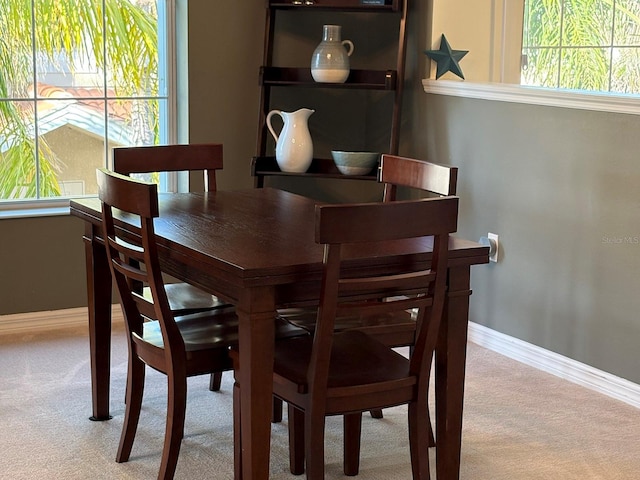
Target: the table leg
(256, 340)
(99, 306)
(451, 354)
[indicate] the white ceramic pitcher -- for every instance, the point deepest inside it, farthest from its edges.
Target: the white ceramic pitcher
(294, 148)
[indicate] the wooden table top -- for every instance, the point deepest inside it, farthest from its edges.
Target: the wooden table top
(261, 236)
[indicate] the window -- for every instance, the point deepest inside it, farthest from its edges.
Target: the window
(588, 45)
(557, 37)
(77, 78)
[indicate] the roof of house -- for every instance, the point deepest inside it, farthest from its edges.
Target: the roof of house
(91, 97)
(81, 108)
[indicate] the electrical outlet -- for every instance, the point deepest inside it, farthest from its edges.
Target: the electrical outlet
(495, 248)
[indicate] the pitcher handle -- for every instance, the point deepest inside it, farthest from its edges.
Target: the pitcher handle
(349, 46)
(268, 121)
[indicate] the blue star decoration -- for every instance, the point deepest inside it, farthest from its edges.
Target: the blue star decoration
(446, 59)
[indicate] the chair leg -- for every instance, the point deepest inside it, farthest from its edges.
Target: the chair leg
(215, 380)
(174, 430)
(296, 440)
(314, 443)
(276, 410)
(432, 440)
(418, 439)
(133, 402)
(352, 430)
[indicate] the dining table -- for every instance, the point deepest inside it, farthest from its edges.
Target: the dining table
(256, 249)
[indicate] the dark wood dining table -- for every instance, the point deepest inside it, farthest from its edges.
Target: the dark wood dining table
(256, 249)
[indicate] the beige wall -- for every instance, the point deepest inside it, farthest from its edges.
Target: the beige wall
(490, 30)
(559, 186)
(225, 52)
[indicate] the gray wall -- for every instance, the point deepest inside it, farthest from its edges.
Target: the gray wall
(41, 264)
(562, 189)
(559, 186)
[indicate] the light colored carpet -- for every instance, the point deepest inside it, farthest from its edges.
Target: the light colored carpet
(518, 424)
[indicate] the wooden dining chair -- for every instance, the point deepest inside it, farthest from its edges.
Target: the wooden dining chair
(179, 347)
(195, 345)
(351, 371)
(395, 329)
(205, 158)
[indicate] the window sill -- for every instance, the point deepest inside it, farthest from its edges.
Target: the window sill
(34, 209)
(628, 104)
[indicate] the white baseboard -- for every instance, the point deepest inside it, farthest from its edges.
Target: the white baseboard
(532, 355)
(50, 320)
(558, 365)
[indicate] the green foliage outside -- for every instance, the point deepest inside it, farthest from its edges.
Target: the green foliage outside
(549, 24)
(65, 31)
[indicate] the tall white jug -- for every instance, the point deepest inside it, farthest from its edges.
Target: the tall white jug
(294, 148)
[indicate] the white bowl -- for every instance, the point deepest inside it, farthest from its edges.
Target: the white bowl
(355, 163)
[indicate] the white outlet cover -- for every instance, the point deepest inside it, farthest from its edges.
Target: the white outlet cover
(493, 237)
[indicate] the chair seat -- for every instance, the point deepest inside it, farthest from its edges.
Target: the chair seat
(207, 330)
(394, 329)
(185, 298)
(200, 331)
(207, 337)
(356, 359)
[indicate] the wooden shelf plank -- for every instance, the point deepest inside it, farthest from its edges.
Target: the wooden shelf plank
(320, 167)
(301, 77)
(346, 5)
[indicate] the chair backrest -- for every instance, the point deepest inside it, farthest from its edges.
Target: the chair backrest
(134, 260)
(409, 172)
(348, 227)
(171, 158)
